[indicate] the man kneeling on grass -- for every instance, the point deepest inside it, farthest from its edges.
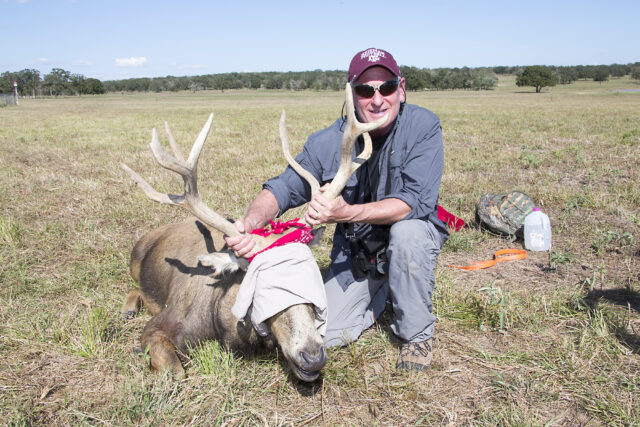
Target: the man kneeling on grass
(387, 235)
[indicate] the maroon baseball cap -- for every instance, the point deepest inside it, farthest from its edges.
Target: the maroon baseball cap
(370, 58)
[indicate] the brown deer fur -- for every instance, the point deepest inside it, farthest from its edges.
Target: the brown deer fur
(191, 303)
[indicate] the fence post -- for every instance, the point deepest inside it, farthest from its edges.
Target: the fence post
(15, 91)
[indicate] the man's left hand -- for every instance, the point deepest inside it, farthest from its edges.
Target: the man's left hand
(322, 210)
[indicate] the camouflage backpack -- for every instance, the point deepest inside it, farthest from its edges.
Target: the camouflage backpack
(504, 214)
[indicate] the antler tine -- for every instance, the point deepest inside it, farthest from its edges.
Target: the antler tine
(353, 130)
(197, 146)
(172, 143)
(313, 182)
(165, 159)
(148, 189)
(190, 199)
(365, 154)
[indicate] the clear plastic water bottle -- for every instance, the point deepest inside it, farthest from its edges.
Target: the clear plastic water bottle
(537, 231)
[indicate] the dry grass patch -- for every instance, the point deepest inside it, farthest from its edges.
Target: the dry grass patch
(553, 339)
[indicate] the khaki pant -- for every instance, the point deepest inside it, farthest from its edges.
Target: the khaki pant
(412, 251)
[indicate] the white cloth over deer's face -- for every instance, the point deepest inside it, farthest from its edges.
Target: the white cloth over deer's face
(272, 284)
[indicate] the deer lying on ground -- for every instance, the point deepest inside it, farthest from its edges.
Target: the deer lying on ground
(189, 281)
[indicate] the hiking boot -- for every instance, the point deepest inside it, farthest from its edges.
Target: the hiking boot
(415, 356)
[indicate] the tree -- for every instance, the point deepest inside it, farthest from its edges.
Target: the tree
(6, 82)
(137, 84)
(254, 81)
(28, 81)
(195, 86)
(635, 73)
(601, 74)
(483, 79)
(439, 80)
(57, 81)
(156, 85)
(567, 75)
(501, 69)
(222, 82)
(274, 81)
(584, 72)
(618, 70)
(416, 79)
(77, 83)
(537, 76)
(93, 86)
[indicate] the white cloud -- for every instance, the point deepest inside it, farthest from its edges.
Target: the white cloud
(41, 61)
(82, 62)
(131, 62)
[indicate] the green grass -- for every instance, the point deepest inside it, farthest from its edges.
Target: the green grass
(212, 359)
(553, 339)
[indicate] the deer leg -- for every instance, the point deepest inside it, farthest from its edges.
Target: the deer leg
(161, 351)
(132, 304)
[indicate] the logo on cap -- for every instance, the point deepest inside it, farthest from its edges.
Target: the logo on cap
(373, 55)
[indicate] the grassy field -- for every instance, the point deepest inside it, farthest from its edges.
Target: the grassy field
(550, 340)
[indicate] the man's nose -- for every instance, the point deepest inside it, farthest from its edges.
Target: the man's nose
(377, 99)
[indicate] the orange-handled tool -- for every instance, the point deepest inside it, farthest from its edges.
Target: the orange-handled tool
(500, 256)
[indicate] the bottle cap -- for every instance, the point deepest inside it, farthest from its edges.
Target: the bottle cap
(536, 209)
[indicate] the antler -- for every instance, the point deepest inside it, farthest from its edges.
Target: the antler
(353, 130)
(188, 169)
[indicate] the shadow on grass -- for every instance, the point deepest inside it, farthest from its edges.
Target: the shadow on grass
(384, 323)
(625, 298)
(622, 297)
(307, 389)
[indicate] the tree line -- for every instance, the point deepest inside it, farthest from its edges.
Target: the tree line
(569, 74)
(57, 82)
(417, 79)
(62, 82)
(540, 76)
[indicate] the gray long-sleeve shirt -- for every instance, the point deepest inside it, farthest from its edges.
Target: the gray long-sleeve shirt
(409, 168)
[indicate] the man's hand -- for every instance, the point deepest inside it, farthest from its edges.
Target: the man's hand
(263, 208)
(322, 210)
(242, 245)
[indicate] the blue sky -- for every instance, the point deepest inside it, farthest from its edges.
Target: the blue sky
(119, 39)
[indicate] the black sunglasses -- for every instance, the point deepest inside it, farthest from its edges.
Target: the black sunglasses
(385, 89)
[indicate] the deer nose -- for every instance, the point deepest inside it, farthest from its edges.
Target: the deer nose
(313, 362)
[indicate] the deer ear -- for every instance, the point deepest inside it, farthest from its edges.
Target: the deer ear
(317, 236)
(222, 263)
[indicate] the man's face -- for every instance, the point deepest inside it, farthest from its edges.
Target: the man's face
(371, 109)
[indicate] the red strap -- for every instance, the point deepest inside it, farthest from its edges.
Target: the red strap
(450, 219)
(500, 256)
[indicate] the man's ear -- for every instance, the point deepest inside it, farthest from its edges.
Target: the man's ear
(404, 94)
